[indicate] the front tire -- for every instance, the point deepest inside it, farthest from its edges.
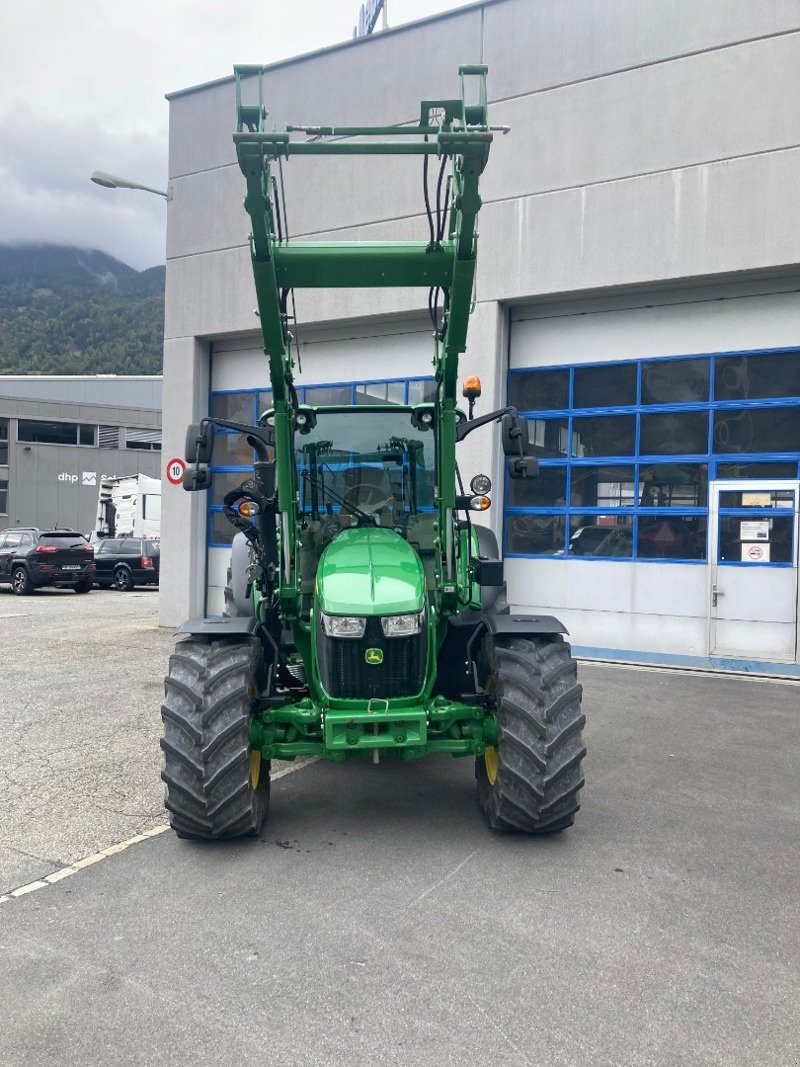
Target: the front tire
(21, 584)
(214, 788)
(530, 783)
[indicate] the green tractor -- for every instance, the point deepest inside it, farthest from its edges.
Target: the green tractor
(365, 610)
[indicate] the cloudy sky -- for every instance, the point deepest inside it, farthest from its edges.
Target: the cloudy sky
(82, 86)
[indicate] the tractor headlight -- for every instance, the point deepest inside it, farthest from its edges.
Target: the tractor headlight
(402, 625)
(343, 625)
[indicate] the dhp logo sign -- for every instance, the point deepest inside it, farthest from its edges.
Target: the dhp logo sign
(65, 477)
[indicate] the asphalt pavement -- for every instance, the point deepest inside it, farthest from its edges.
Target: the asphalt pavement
(378, 921)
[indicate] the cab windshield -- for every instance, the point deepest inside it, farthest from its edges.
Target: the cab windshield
(368, 464)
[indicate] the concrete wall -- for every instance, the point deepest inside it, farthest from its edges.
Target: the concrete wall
(652, 144)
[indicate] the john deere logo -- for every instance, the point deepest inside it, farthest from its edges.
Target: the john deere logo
(374, 656)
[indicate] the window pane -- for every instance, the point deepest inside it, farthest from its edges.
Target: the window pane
(223, 481)
(756, 470)
(768, 498)
(549, 436)
(539, 390)
(753, 541)
(603, 487)
(601, 535)
(3, 429)
(671, 537)
(536, 535)
(605, 386)
(761, 430)
(673, 485)
(603, 435)
(264, 402)
(678, 433)
(380, 393)
(755, 377)
(232, 450)
(680, 381)
(549, 490)
(222, 531)
(328, 394)
(421, 391)
(4, 453)
(86, 435)
(238, 407)
(4, 497)
(48, 433)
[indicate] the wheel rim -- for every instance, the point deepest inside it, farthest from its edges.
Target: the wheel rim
(121, 580)
(19, 580)
(492, 762)
(255, 768)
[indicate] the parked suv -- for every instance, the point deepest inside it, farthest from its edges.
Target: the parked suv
(31, 558)
(125, 562)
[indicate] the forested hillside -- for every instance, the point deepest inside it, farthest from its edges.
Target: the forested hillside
(67, 310)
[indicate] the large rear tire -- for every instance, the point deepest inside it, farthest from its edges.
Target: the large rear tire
(531, 781)
(215, 789)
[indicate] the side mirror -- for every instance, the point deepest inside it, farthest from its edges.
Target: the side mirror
(199, 443)
(522, 468)
(196, 479)
(515, 436)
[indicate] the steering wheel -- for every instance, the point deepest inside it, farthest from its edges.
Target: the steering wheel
(367, 498)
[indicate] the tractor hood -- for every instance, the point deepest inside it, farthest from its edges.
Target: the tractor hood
(370, 571)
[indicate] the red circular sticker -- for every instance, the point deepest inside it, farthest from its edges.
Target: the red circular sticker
(755, 552)
(175, 469)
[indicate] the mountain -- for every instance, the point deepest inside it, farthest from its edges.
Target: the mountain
(66, 310)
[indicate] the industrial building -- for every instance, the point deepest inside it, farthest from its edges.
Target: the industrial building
(636, 297)
(59, 435)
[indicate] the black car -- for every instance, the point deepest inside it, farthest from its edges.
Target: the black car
(31, 558)
(126, 561)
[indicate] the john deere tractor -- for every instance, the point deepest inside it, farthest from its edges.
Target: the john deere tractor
(366, 615)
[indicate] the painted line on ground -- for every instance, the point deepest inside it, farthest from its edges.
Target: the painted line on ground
(707, 672)
(112, 850)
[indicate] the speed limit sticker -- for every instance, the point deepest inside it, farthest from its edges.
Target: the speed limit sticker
(175, 469)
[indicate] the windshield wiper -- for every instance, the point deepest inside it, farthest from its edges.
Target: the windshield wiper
(320, 484)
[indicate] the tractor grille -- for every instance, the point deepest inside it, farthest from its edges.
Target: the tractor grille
(345, 672)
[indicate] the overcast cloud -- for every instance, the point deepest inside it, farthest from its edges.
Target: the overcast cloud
(82, 86)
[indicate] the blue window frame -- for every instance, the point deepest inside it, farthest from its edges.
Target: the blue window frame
(233, 459)
(627, 449)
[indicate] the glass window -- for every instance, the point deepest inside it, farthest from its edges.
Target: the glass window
(768, 498)
(539, 390)
(756, 377)
(222, 531)
(671, 537)
(550, 436)
(232, 450)
(421, 391)
(673, 485)
(13, 540)
(86, 435)
(152, 548)
(381, 393)
(3, 496)
(47, 433)
(679, 381)
(603, 435)
(536, 535)
(605, 386)
(603, 487)
(237, 407)
(756, 470)
(749, 540)
(3, 442)
(676, 433)
(264, 401)
(549, 490)
(601, 535)
(328, 394)
(222, 482)
(774, 429)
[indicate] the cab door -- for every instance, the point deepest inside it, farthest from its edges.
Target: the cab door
(753, 594)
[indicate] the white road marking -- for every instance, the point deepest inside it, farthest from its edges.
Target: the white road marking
(113, 850)
(441, 881)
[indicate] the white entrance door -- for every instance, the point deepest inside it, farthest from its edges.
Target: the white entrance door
(753, 528)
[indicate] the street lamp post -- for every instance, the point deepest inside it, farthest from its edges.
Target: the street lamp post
(111, 181)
